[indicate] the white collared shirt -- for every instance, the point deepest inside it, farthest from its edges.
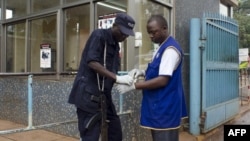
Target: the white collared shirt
(169, 61)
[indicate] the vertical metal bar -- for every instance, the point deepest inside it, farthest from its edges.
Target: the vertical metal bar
(195, 78)
(120, 103)
(204, 63)
(30, 125)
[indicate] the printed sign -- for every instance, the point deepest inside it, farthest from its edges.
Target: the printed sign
(106, 21)
(243, 54)
(45, 56)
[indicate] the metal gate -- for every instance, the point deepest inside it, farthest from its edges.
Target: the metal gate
(218, 50)
(220, 63)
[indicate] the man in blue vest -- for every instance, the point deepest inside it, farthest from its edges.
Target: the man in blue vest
(163, 103)
(98, 69)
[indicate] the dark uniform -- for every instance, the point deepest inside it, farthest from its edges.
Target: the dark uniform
(86, 84)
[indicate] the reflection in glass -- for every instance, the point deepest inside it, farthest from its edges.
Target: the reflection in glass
(15, 8)
(70, 1)
(38, 5)
(76, 29)
(43, 31)
(15, 48)
(106, 10)
(148, 8)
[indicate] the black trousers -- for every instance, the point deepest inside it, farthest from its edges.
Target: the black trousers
(114, 126)
(165, 135)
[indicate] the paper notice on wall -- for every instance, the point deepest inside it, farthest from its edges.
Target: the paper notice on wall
(45, 56)
(106, 21)
(243, 54)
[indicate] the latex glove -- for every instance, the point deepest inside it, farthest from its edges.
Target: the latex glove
(135, 73)
(124, 79)
(125, 88)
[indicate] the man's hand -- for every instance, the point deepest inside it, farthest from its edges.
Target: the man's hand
(135, 73)
(125, 88)
(124, 79)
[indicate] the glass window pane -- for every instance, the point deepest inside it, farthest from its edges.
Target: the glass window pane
(15, 48)
(43, 31)
(77, 30)
(70, 1)
(224, 10)
(105, 12)
(38, 5)
(15, 8)
(1, 9)
(148, 8)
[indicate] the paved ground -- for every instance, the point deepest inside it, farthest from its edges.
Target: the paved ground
(30, 135)
(42, 135)
(242, 118)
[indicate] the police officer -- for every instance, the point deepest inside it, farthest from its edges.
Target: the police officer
(86, 83)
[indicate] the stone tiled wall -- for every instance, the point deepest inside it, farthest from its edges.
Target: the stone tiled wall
(50, 107)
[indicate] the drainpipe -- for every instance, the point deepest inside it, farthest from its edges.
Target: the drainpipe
(195, 76)
(30, 112)
(30, 109)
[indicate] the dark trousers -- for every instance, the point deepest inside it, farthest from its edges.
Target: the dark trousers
(165, 135)
(114, 126)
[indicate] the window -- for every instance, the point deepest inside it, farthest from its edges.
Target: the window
(24, 54)
(226, 7)
(107, 10)
(15, 48)
(15, 8)
(70, 1)
(145, 10)
(39, 5)
(9, 14)
(1, 10)
(76, 27)
(43, 31)
(224, 10)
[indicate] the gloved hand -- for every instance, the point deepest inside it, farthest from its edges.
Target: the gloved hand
(125, 88)
(124, 79)
(135, 73)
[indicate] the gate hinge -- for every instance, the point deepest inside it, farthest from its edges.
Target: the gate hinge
(202, 39)
(202, 47)
(202, 120)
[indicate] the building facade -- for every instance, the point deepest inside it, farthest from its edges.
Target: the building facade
(45, 38)
(61, 28)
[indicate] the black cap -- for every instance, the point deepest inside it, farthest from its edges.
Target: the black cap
(125, 23)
